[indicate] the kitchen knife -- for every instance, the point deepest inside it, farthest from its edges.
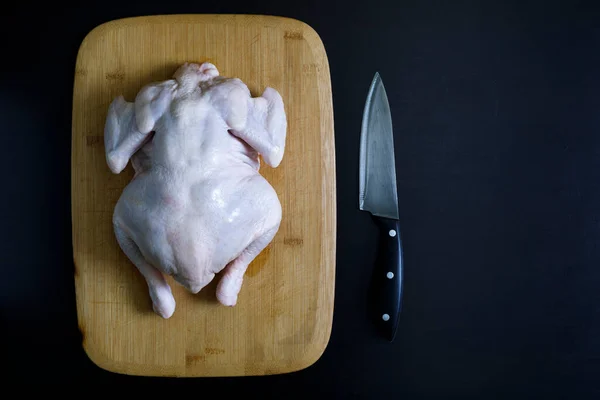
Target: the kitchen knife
(378, 195)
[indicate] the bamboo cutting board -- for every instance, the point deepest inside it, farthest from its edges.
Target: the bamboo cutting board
(283, 317)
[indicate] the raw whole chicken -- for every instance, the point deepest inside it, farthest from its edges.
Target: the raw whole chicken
(197, 204)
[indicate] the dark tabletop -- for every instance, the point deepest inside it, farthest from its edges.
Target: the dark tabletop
(497, 131)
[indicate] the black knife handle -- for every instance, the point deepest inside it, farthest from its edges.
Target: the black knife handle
(386, 283)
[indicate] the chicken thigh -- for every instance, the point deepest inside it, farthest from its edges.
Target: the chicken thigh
(197, 204)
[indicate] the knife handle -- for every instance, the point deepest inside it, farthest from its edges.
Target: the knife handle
(386, 282)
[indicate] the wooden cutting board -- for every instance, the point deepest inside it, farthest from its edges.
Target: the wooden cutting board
(283, 317)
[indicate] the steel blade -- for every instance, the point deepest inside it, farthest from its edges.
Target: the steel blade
(377, 171)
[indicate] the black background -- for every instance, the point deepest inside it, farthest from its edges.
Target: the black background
(497, 135)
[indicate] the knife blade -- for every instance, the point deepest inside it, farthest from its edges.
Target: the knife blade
(378, 195)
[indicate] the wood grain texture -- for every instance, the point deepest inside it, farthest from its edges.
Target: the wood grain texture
(283, 318)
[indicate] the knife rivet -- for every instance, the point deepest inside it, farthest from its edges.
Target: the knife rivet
(392, 233)
(390, 275)
(385, 317)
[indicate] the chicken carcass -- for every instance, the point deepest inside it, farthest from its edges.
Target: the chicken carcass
(197, 204)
